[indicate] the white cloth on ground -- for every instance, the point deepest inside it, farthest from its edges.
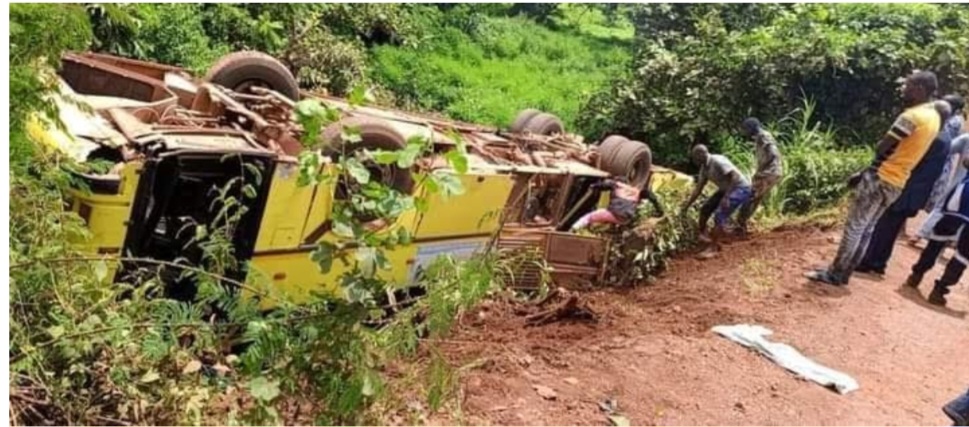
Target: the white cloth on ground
(786, 356)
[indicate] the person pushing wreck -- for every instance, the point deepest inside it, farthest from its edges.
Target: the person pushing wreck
(623, 203)
(733, 191)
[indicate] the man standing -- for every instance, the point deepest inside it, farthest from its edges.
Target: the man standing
(733, 190)
(953, 172)
(954, 226)
(768, 167)
(877, 187)
(913, 198)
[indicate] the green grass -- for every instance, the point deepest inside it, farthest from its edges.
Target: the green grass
(499, 66)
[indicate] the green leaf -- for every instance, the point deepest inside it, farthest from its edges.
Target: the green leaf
(323, 256)
(149, 377)
(422, 204)
(450, 184)
(384, 157)
(358, 95)
(254, 171)
(403, 235)
(368, 388)
(262, 389)
(201, 232)
(351, 134)
(458, 161)
(100, 270)
(309, 168)
(432, 184)
(357, 170)
(313, 116)
(309, 108)
(343, 229)
(419, 140)
(367, 260)
(55, 331)
(355, 294)
(249, 191)
(409, 155)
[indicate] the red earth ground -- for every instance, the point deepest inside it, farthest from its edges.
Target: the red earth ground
(653, 353)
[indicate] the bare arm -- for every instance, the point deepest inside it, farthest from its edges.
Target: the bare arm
(697, 189)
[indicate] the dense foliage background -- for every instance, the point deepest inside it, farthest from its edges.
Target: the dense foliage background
(700, 69)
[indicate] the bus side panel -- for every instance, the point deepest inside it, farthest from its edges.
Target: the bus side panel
(106, 215)
(286, 210)
(426, 253)
(475, 212)
(297, 277)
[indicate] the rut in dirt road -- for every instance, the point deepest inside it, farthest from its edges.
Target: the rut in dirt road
(653, 357)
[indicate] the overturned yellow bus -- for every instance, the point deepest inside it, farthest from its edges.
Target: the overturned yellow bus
(166, 139)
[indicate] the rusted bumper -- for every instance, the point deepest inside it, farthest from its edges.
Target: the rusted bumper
(565, 254)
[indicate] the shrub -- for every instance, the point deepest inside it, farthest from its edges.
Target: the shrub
(175, 34)
(816, 166)
(320, 59)
(699, 69)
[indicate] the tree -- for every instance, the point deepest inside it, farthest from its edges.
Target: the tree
(699, 69)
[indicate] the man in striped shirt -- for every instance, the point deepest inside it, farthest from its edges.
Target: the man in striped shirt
(878, 186)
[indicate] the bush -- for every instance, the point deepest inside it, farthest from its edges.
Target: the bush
(700, 69)
(816, 166)
(320, 59)
(175, 34)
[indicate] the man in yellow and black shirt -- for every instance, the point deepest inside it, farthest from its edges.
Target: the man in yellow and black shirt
(877, 187)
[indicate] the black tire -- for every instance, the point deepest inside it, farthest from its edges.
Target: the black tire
(240, 70)
(627, 158)
(545, 124)
(522, 119)
(375, 134)
(608, 150)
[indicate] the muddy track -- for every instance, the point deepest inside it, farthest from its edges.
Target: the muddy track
(652, 351)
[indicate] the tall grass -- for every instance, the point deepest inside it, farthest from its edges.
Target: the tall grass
(485, 69)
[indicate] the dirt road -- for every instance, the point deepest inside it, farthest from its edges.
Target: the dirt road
(653, 351)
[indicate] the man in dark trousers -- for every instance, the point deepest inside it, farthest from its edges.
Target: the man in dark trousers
(878, 186)
(733, 191)
(913, 198)
(954, 226)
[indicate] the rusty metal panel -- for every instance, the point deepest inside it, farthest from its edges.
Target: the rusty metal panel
(564, 253)
(578, 251)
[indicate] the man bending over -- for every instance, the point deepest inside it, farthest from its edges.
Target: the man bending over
(733, 190)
